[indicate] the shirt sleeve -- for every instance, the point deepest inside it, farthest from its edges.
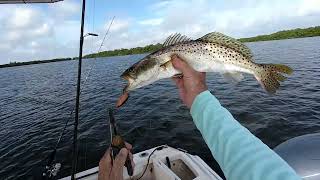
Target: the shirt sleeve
(240, 154)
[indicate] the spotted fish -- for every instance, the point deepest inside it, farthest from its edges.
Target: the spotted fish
(214, 52)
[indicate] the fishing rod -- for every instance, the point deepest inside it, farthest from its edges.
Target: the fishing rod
(52, 168)
(83, 84)
(76, 117)
(75, 146)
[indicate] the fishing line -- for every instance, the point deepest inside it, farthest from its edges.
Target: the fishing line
(95, 57)
(93, 16)
(52, 155)
(86, 78)
(92, 44)
(31, 88)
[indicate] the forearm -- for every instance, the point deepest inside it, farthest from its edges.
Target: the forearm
(239, 153)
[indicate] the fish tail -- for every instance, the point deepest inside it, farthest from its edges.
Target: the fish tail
(269, 76)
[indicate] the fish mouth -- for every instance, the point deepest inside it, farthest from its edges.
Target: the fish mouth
(129, 79)
(125, 92)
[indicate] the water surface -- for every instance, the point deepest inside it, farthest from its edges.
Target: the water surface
(36, 101)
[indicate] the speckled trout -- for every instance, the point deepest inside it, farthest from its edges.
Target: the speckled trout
(214, 52)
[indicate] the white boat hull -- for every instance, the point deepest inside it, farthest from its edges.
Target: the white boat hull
(183, 166)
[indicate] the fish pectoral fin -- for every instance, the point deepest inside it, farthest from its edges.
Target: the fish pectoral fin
(178, 75)
(165, 65)
(233, 77)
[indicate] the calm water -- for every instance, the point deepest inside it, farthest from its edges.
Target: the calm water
(36, 101)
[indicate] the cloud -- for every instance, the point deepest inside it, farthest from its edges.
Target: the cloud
(151, 22)
(21, 17)
(159, 5)
(37, 32)
(119, 25)
(310, 7)
(198, 17)
(65, 9)
(43, 32)
(237, 18)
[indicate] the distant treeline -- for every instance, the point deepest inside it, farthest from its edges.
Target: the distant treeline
(11, 64)
(287, 34)
(121, 52)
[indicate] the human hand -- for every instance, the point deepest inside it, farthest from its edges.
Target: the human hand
(109, 170)
(192, 82)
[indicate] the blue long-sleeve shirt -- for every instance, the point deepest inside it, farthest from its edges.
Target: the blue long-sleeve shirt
(240, 154)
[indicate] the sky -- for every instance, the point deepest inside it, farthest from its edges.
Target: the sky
(46, 31)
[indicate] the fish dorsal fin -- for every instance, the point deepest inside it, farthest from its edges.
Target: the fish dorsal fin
(219, 38)
(175, 38)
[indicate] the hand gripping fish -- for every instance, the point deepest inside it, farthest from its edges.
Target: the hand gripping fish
(214, 52)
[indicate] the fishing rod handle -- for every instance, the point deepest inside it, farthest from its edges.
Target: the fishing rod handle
(116, 145)
(129, 166)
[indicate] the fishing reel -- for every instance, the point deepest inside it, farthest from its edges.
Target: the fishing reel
(51, 171)
(52, 168)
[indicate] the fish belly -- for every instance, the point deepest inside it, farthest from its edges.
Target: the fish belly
(209, 63)
(204, 63)
(201, 61)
